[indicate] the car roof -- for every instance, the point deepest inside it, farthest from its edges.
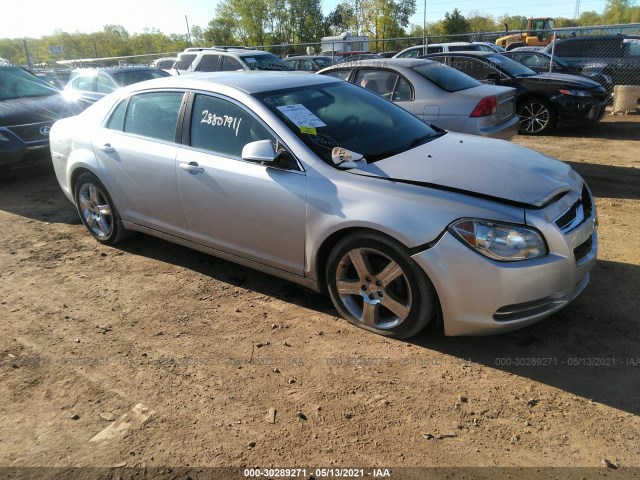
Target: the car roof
(113, 69)
(248, 81)
(235, 50)
(585, 38)
(391, 62)
(471, 53)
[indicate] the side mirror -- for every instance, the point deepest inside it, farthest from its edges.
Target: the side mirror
(494, 77)
(260, 151)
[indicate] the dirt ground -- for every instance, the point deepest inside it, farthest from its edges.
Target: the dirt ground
(150, 354)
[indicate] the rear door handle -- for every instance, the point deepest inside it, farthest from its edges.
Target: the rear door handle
(192, 167)
(107, 148)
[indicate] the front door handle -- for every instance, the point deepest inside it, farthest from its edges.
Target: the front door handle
(107, 148)
(192, 167)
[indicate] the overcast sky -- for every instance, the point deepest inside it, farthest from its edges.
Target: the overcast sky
(35, 18)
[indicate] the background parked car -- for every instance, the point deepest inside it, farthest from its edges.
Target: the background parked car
(164, 63)
(540, 62)
(309, 63)
(91, 84)
(439, 95)
(489, 47)
(358, 56)
(544, 100)
(619, 54)
(28, 109)
(333, 187)
(216, 59)
(418, 51)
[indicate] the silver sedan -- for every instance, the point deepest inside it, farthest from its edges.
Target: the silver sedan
(444, 97)
(330, 186)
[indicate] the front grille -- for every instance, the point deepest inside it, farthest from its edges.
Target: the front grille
(31, 133)
(577, 213)
(583, 249)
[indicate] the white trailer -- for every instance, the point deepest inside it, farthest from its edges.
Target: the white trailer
(345, 43)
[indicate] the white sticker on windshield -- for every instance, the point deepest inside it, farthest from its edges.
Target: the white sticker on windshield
(301, 116)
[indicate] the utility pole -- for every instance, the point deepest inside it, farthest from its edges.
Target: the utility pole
(26, 52)
(188, 29)
(424, 28)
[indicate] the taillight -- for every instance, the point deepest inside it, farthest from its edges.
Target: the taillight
(486, 107)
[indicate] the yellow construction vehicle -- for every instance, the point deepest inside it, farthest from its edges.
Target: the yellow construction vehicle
(538, 34)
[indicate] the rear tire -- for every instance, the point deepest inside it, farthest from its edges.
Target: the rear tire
(97, 211)
(374, 284)
(537, 117)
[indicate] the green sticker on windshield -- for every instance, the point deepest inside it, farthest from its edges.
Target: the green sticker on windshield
(309, 130)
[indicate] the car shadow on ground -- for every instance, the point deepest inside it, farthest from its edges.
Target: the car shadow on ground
(227, 272)
(608, 181)
(618, 130)
(589, 349)
(35, 193)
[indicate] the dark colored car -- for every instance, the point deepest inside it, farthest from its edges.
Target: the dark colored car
(28, 109)
(92, 84)
(619, 54)
(309, 63)
(540, 62)
(543, 100)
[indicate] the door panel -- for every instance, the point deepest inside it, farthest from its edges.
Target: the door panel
(138, 170)
(243, 208)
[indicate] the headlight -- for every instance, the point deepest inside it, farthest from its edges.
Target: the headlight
(4, 138)
(575, 93)
(499, 241)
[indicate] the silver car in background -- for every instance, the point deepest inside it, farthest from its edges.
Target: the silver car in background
(330, 186)
(444, 97)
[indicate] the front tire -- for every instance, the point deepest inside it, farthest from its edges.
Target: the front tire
(97, 211)
(375, 285)
(537, 117)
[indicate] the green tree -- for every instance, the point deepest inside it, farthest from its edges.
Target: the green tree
(455, 23)
(515, 22)
(480, 22)
(197, 36)
(618, 11)
(341, 19)
(590, 18)
(220, 32)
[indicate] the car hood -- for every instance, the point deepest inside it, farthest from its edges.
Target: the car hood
(481, 167)
(563, 80)
(20, 111)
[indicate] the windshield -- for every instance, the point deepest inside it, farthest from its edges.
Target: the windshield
(445, 77)
(340, 114)
(129, 77)
(18, 83)
(265, 61)
(512, 67)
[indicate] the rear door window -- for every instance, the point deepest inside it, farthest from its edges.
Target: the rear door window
(208, 63)
(153, 115)
(379, 81)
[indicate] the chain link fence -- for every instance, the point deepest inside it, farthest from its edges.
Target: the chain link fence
(611, 49)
